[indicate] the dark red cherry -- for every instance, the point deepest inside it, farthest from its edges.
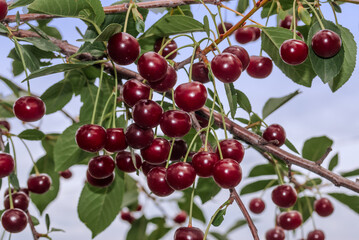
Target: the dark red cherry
(29, 109)
(123, 48)
(152, 66)
(139, 208)
(202, 121)
(147, 113)
(14, 220)
(259, 67)
(101, 166)
(226, 67)
(171, 46)
(240, 53)
(125, 162)
(180, 217)
(156, 181)
(6, 164)
(175, 123)
(200, 72)
(284, 196)
(232, 149)
(147, 167)
(3, 9)
(13, 191)
(5, 124)
(39, 183)
(323, 207)
(66, 174)
(167, 82)
(257, 205)
(188, 233)
(316, 235)
(276, 233)
(275, 132)
(19, 199)
(190, 96)
(203, 163)
(127, 216)
(293, 52)
(101, 183)
(157, 152)
(287, 22)
(180, 175)
(116, 140)
(257, 33)
(91, 137)
(134, 91)
(137, 137)
(227, 26)
(179, 150)
(326, 43)
(244, 35)
(290, 220)
(227, 173)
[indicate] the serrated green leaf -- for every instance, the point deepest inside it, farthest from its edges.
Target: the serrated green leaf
(43, 44)
(138, 229)
(32, 134)
(258, 186)
(232, 98)
(242, 5)
(243, 101)
(316, 147)
(19, 3)
(350, 173)
(351, 201)
(206, 189)
(31, 61)
(77, 79)
(57, 96)
(274, 103)
(333, 162)
(260, 170)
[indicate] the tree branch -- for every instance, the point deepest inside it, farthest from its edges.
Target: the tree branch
(35, 234)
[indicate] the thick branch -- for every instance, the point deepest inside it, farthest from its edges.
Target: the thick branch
(35, 234)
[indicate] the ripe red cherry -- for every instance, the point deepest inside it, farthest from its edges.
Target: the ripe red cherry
(290, 220)
(287, 22)
(152, 66)
(316, 235)
(91, 137)
(157, 152)
(190, 96)
(137, 137)
(284, 196)
(203, 163)
(276, 233)
(19, 199)
(147, 113)
(179, 149)
(6, 164)
(244, 35)
(134, 91)
(256, 205)
(66, 174)
(39, 183)
(180, 217)
(3, 9)
(171, 46)
(175, 123)
(127, 216)
(147, 167)
(101, 166)
(123, 48)
(259, 67)
(240, 53)
(323, 207)
(293, 52)
(13, 191)
(257, 33)
(29, 108)
(167, 82)
(326, 43)
(4, 124)
(156, 181)
(227, 26)
(124, 161)
(116, 140)
(275, 132)
(232, 149)
(227, 173)
(188, 233)
(14, 220)
(180, 175)
(200, 72)
(101, 183)
(226, 67)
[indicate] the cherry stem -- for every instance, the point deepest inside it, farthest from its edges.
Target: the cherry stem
(10, 193)
(133, 158)
(177, 49)
(335, 14)
(192, 59)
(14, 153)
(127, 15)
(218, 145)
(300, 208)
(104, 109)
(168, 41)
(316, 14)
(115, 101)
(280, 178)
(294, 21)
(18, 46)
(270, 11)
(209, 122)
(220, 104)
(266, 187)
(222, 22)
(173, 100)
(213, 16)
(191, 206)
(32, 159)
(310, 209)
(97, 95)
(170, 153)
(161, 104)
(192, 142)
(242, 15)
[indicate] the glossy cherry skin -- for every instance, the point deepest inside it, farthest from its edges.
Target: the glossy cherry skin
(175, 123)
(3, 9)
(171, 46)
(101, 166)
(326, 43)
(124, 161)
(147, 167)
(116, 140)
(101, 183)
(259, 67)
(67, 174)
(29, 109)
(156, 181)
(275, 132)
(190, 96)
(240, 53)
(123, 48)
(152, 66)
(179, 150)
(227, 26)
(200, 72)
(232, 149)
(137, 137)
(226, 67)
(19, 199)
(6, 164)
(286, 22)
(257, 205)
(227, 173)
(293, 52)
(147, 113)
(13, 191)
(180, 217)
(167, 82)
(323, 207)
(188, 233)
(203, 163)
(91, 137)
(244, 35)
(284, 196)
(134, 91)
(39, 183)
(180, 175)
(157, 152)
(14, 220)
(276, 233)
(316, 235)
(5, 124)
(290, 220)
(257, 33)
(127, 216)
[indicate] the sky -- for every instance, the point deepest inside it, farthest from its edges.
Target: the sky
(315, 112)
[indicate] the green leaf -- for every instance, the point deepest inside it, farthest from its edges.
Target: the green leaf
(56, 230)
(242, 5)
(32, 134)
(34, 220)
(57, 96)
(243, 101)
(219, 236)
(285, 5)
(14, 180)
(6, 109)
(140, 25)
(260, 170)
(274, 103)
(158, 233)
(19, 3)
(206, 25)
(218, 219)
(305, 206)
(105, 35)
(333, 162)
(47, 219)
(206, 189)
(258, 186)
(98, 207)
(290, 146)
(304, 15)
(3, 29)
(240, 223)
(184, 204)
(15, 89)
(31, 62)
(43, 44)
(77, 79)
(350, 173)
(232, 98)
(351, 201)
(313, 182)
(138, 229)
(316, 147)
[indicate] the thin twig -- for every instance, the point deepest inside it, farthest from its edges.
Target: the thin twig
(321, 160)
(35, 234)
